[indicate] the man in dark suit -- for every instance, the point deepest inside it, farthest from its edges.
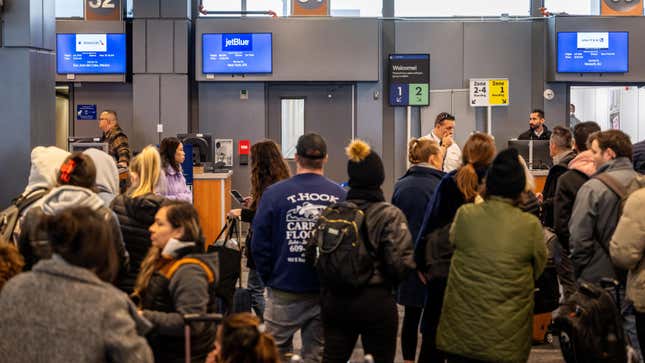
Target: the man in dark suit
(537, 130)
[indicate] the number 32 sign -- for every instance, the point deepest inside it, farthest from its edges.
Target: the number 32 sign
(103, 10)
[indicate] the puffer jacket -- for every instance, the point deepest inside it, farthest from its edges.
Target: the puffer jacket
(627, 247)
(32, 241)
(389, 234)
(181, 285)
(580, 169)
(135, 216)
(593, 221)
(488, 306)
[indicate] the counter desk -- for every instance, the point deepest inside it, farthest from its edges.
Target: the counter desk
(212, 200)
(540, 178)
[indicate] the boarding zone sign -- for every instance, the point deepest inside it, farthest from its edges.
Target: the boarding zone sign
(489, 92)
(409, 77)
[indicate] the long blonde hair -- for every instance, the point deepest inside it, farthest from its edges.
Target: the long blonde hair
(147, 165)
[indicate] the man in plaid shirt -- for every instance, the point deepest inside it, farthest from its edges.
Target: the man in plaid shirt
(115, 137)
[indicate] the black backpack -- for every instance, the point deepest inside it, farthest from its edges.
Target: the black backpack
(589, 326)
(9, 217)
(338, 248)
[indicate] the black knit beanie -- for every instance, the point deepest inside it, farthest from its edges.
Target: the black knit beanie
(364, 167)
(505, 177)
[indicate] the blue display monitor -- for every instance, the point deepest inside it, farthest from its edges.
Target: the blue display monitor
(235, 53)
(593, 52)
(90, 53)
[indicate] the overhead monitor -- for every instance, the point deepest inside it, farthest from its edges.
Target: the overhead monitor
(91, 53)
(237, 53)
(593, 52)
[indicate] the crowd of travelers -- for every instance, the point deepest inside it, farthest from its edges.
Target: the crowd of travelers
(90, 274)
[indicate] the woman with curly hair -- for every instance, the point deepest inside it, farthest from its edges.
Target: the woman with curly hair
(267, 168)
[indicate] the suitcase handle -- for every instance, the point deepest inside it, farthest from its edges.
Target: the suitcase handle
(189, 318)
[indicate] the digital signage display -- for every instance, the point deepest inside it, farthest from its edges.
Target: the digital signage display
(237, 53)
(593, 52)
(90, 53)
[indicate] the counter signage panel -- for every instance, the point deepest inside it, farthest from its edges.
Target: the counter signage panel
(237, 53)
(593, 52)
(90, 53)
(409, 76)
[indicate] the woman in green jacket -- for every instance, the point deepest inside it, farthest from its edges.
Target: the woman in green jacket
(499, 253)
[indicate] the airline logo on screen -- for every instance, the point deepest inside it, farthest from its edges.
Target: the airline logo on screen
(91, 42)
(237, 42)
(595, 40)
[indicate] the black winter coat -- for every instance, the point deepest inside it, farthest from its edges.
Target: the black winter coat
(550, 186)
(530, 135)
(565, 195)
(639, 157)
(135, 215)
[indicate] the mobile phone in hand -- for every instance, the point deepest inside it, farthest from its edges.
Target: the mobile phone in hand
(237, 196)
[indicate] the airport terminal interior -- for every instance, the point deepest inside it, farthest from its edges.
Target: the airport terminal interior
(221, 77)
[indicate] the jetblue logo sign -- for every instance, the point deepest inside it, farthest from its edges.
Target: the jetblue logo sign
(237, 42)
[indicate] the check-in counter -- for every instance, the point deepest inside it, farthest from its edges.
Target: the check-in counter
(540, 179)
(212, 200)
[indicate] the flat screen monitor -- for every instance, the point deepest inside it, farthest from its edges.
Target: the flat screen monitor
(90, 53)
(593, 52)
(82, 146)
(202, 147)
(535, 152)
(237, 53)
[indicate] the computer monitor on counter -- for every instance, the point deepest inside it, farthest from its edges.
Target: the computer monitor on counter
(84, 143)
(535, 152)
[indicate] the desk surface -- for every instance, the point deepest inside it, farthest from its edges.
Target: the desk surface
(212, 176)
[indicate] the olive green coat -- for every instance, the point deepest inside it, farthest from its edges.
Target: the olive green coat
(488, 305)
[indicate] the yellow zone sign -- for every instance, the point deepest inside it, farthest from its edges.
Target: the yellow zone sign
(498, 92)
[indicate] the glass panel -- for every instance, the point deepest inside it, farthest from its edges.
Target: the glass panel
(580, 7)
(293, 125)
(223, 5)
(68, 8)
(611, 107)
(281, 7)
(412, 8)
(364, 8)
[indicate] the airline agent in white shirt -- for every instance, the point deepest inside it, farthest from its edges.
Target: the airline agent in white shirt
(443, 133)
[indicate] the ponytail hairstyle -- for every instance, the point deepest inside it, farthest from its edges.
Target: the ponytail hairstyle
(79, 170)
(147, 165)
(478, 153)
(82, 238)
(420, 150)
(179, 214)
(243, 340)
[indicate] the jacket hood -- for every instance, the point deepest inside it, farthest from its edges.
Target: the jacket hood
(66, 196)
(143, 208)
(107, 175)
(583, 162)
(45, 163)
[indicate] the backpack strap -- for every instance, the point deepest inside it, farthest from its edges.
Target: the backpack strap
(613, 185)
(170, 272)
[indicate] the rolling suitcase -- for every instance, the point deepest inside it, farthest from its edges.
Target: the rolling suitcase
(191, 318)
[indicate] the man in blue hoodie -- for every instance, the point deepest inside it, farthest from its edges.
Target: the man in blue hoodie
(287, 212)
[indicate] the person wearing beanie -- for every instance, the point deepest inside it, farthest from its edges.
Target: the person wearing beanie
(499, 253)
(348, 314)
(285, 216)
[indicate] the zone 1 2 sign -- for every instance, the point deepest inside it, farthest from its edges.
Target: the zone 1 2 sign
(409, 76)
